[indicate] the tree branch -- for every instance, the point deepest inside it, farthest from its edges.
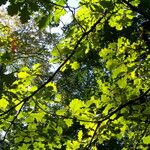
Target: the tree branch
(12, 122)
(131, 102)
(59, 68)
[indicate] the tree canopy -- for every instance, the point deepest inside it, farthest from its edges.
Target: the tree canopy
(86, 88)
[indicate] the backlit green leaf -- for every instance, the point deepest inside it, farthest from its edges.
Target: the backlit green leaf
(61, 112)
(75, 65)
(24, 147)
(23, 75)
(3, 103)
(80, 134)
(68, 122)
(146, 139)
(76, 106)
(122, 83)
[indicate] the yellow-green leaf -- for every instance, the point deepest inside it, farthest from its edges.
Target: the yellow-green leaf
(68, 122)
(80, 134)
(24, 147)
(53, 85)
(36, 66)
(23, 75)
(146, 139)
(75, 65)
(76, 105)
(3, 103)
(122, 83)
(33, 88)
(60, 112)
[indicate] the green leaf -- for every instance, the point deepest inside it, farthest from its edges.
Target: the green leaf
(58, 98)
(36, 66)
(29, 119)
(75, 65)
(3, 103)
(104, 98)
(32, 127)
(104, 53)
(59, 130)
(23, 75)
(25, 69)
(39, 116)
(18, 139)
(76, 106)
(147, 110)
(24, 147)
(75, 145)
(39, 145)
(107, 109)
(57, 14)
(68, 122)
(121, 69)
(80, 135)
(146, 139)
(122, 83)
(19, 106)
(61, 112)
(33, 88)
(119, 27)
(27, 139)
(60, 2)
(97, 8)
(111, 64)
(53, 85)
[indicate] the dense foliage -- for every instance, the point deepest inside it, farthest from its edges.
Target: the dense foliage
(99, 95)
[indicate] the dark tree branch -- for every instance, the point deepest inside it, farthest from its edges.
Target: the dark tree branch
(59, 68)
(12, 122)
(73, 14)
(131, 102)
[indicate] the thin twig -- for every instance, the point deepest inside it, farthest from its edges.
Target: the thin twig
(75, 19)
